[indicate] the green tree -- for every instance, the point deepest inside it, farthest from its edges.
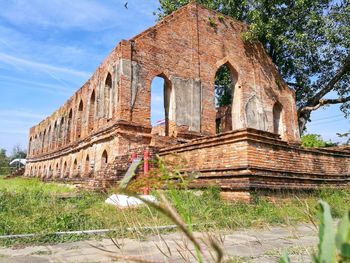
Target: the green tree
(3, 162)
(308, 40)
(314, 141)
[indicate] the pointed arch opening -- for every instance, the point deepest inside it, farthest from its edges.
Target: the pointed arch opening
(75, 168)
(43, 142)
(162, 106)
(30, 146)
(108, 96)
(87, 165)
(50, 172)
(64, 170)
(40, 143)
(226, 79)
(277, 112)
(61, 132)
(69, 125)
(57, 171)
(104, 159)
(92, 111)
(48, 139)
(79, 119)
(35, 143)
(54, 135)
(44, 173)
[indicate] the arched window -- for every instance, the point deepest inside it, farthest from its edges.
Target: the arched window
(277, 118)
(35, 144)
(65, 170)
(69, 125)
(40, 142)
(79, 119)
(75, 168)
(61, 132)
(104, 159)
(43, 142)
(57, 171)
(48, 139)
(30, 146)
(50, 172)
(162, 106)
(108, 96)
(225, 86)
(92, 111)
(54, 135)
(87, 165)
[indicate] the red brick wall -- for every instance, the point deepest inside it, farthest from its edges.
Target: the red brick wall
(247, 159)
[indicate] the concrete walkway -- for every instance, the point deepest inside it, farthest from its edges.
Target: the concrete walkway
(251, 245)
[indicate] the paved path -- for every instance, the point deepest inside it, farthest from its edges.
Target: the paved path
(251, 245)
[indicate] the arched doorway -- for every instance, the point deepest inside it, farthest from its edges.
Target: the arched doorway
(104, 159)
(226, 79)
(162, 106)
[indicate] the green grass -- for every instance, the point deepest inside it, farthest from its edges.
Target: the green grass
(30, 206)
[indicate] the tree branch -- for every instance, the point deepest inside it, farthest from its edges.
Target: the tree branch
(341, 72)
(323, 102)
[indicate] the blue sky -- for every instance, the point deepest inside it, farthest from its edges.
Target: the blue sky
(48, 49)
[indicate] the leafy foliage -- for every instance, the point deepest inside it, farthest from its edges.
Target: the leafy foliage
(314, 141)
(308, 40)
(3, 162)
(333, 246)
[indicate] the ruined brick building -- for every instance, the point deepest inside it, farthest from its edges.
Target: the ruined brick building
(93, 134)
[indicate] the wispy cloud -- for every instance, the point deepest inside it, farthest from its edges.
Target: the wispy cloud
(35, 85)
(9, 113)
(24, 63)
(83, 14)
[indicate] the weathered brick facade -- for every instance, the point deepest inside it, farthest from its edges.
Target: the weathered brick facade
(109, 116)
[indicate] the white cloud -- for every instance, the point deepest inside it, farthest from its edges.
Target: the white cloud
(83, 14)
(9, 113)
(21, 63)
(39, 86)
